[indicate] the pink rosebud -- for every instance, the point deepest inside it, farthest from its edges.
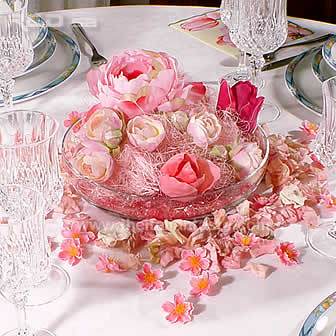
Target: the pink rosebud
(204, 128)
(195, 261)
(106, 126)
(288, 254)
(241, 99)
(145, 133)
(178, 311)
(149, 278)
(71, 251)
(203, 283)
(95, 162)
(246, 158)
(186, 176)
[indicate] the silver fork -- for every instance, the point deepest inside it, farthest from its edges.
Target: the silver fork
(97, 59)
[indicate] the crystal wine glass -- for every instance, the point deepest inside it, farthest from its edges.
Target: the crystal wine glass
(16, 49)
(29, 156)
(23, 254)
(259, 27)
(323, 238)
(242, 73)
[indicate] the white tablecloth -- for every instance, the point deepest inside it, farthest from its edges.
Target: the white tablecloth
(113, 304)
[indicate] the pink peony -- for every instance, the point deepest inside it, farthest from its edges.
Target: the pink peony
(145, 132)
(178, 311)
(71, 251)
(150, 279)
(203, 283)
(108, 264)
(246, 158)
(241, 99)
(186, 176)
(94, 162)
(199, 23)
(142, 82)
(288, 253)
(195, 261)
(204, 128)
(105, 125)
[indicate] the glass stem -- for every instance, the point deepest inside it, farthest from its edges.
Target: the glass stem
(7, 90)
(257, 62)
(242, 65)
(20, 305)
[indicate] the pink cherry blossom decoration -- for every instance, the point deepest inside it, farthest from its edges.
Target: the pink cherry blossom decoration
(203, 283)
(71, 251)
(195, 261)
(288, 253)
(108, 264)
(178, 311)
(310, 129)
(149, 278)
(245, 241)
(76, 230)
(72, 118)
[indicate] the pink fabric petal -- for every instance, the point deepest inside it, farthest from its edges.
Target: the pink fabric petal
(186, 253)
(168, 307)
(199, 23)
(205, 263)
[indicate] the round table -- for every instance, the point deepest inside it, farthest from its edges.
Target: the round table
(114, 304)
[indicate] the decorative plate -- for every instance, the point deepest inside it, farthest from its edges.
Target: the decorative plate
(51, 74)
(302, 83)
(43, 52)
(329, 52)
(321, 321)
(38, 30)
(321, 68)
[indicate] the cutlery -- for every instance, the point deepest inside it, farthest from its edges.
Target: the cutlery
(278, 64)
(302, 41)
(97, 59)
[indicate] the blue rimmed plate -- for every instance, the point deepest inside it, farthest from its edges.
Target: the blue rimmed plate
(43, 52)
(322, 320)
(303, 84)
(329, 52)
(38, 30)
(321, 68)
(51, 74)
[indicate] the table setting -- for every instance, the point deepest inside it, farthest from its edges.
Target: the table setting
(184, 184)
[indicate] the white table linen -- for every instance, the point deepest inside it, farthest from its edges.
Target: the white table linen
(114, 304)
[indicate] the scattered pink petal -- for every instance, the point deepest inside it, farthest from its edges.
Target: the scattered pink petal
(178, 311)
(71, 251)
(195, 261)
(260, 270)
(264, 246)
(288, 254)
(310, 217)
(108, 264)
(149, 278)
(203, 284)
(310, 129)
(199, 23)
(52, 243)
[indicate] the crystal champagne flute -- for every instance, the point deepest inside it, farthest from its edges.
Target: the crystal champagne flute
(16, 49)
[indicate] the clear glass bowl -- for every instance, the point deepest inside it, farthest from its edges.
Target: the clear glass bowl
(159, 206)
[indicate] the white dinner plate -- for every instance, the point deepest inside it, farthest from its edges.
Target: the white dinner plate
(42, 53)
(329, 52)
(38, 30)
(303, 84)
(321, 68)
(51, 74)
(322, 320)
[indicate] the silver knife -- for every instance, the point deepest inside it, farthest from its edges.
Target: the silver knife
(278, 64)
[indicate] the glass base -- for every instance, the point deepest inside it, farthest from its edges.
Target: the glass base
(323, 239)
(52, 288)
(40, 332)
(269, 113)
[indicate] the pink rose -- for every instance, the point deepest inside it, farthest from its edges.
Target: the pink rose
(204, 128)
(142, 82)
(145, 132)
(246, 158)
(242, 99)
(106, 126)
(186, 176)
(94, 162)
